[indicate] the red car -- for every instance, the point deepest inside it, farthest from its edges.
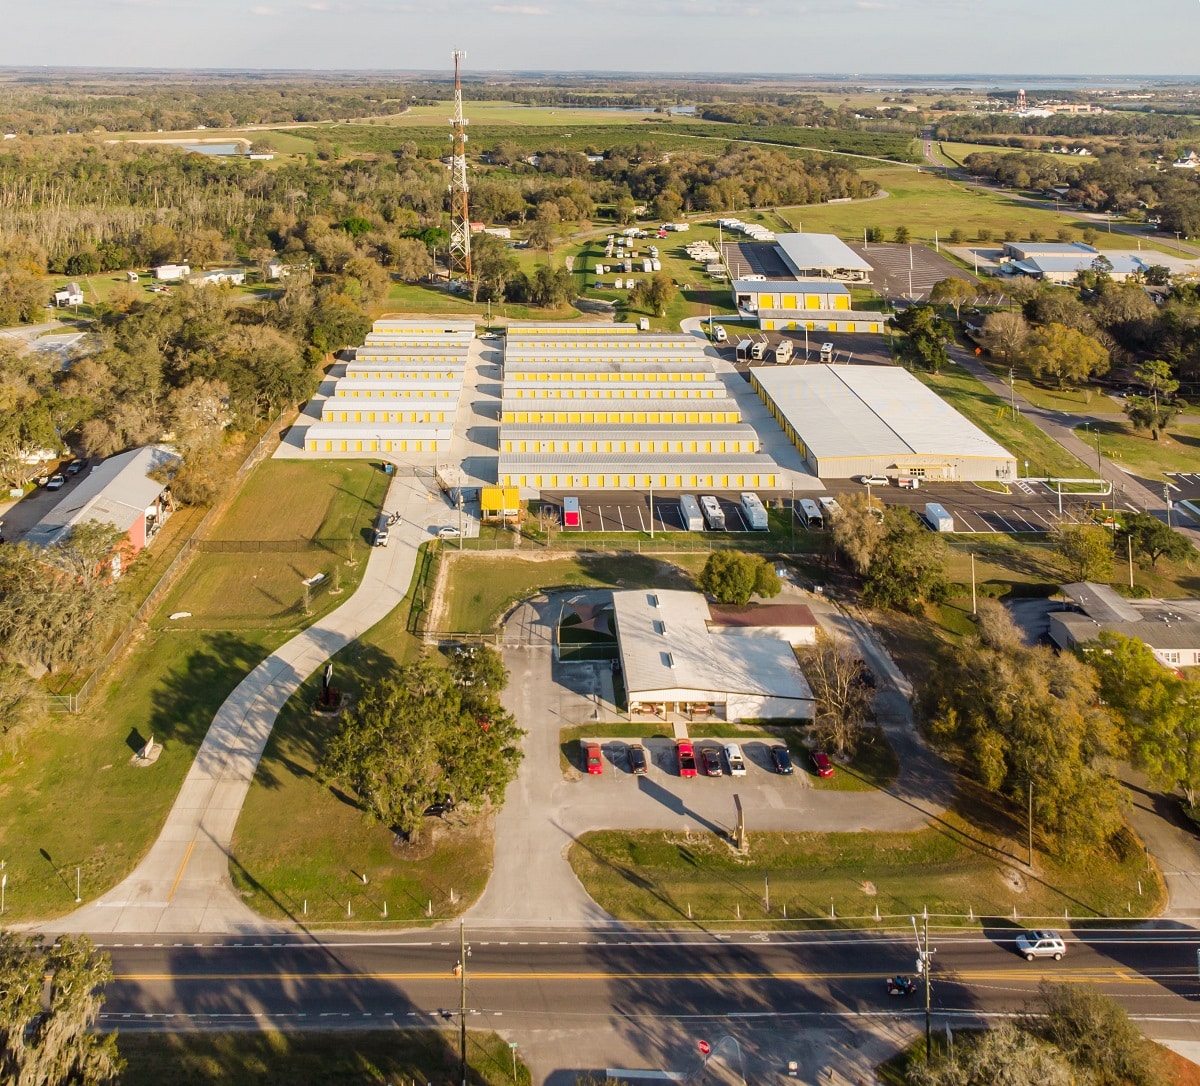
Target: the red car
(821, 763)
(687, 758)
(594, 759)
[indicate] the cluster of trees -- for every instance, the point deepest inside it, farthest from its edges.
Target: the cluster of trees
(967, 127)
(427, 734)
(926, 336)
(1072, 1035)
(1125, 182)
(1022, 716)
(902, 565)
(835, 675)
(733, 577)
(54, 1042)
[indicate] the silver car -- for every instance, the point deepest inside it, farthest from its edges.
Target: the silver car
(1041, 944)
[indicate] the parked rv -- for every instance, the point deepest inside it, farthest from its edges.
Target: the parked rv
(810, 513)
(829, 508)
(759, 351)
(714, 515)
(689, 512)
(755, 512)
(783, 351)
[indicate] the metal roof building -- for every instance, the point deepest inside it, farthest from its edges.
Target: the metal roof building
(119, 492)
(1169, 628)
(821, 256)
(671, 659)
(877, 420)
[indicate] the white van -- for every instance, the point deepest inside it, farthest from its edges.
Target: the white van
(719, 333)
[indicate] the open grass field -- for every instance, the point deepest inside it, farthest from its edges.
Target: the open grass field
(415, 298)
(292, 520)
(1177, 449)
(511, 113)
(377, 1057)
(301, 848)
(481, 588)
(928, 202)
(69, 797)
(956, 866)
(969, 396)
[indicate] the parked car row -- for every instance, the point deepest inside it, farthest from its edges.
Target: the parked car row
(714, 761)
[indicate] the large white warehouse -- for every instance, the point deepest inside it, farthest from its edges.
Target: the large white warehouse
(877, 420)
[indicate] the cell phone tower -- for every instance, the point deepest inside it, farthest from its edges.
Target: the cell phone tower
(460, 215)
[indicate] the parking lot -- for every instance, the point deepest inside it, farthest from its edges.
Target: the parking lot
(862, 348)
(1030, 508)
(907, 271)
(660, 754)
(629, 511)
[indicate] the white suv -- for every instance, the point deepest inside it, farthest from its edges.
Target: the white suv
(1041, 944)
(733, 755)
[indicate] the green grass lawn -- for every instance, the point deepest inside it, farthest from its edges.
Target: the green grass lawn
(969, 396)
(377, 1057)
(299, 842)
(481, 588)
(954, 867)
(69, 797)
(1177, 449)
(291, 520)
(415, 298)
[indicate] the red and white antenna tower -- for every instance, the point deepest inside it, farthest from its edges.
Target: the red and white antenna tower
(1022, 101)
(460, 217)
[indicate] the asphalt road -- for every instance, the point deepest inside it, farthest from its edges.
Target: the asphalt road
(570, 979)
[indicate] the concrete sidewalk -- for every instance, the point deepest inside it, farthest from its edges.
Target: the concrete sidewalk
(183, 883)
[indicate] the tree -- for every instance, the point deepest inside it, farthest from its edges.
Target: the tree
(925, 336)
(908, 566)
(957, 237)
(1160, 712)
(1150, 537)
(1065, 354)
(954, 292)
(428, 734)
(833, 672)
(733, 577)
(1097, 1038)
(371, 281)
(655, 294)
(1005, 333)
(54, 1044)
(901, 235)
(551, 287)
(1154, 412)
(411, 259)
(1087, 549)
(1005, 1055)
(857, 532)
(1019, 715)
(493, 265)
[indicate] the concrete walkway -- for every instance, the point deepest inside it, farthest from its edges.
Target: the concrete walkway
(183, 883)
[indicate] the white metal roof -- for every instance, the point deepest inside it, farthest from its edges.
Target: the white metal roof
(347, 387)
(803, 251)
(666, 644)
(640, 404)
(539, 431)
(117, 492)
(848, 411)
(790, 286)
(560, 463)
(392, 431)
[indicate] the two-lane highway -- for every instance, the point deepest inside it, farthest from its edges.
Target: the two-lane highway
(578, 979)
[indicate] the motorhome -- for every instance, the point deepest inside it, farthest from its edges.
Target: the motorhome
(755, 512)
(714, 515)
(689, 513)
(810, 513)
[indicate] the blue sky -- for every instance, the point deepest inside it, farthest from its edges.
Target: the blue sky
(1067, 37)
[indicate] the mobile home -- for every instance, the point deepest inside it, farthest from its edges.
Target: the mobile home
(755, 512)
(689, 513)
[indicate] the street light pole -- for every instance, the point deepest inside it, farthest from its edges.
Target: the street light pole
(924, 967)
(1167, 501)
(974, 608)
(464, 952)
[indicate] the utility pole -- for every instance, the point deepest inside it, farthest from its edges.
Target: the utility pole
(1012, 392)
(1129, 549)
(1029, 822)
(464, 952)
(974, 608)
(924, 967)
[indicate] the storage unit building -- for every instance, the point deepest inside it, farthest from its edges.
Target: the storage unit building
(877, 420)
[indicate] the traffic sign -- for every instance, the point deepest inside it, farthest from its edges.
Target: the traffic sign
(705, 1047)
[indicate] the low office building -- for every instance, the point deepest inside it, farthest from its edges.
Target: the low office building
(791, 622)
(1169, 628)
(818, 305)
(673, 662)
(877, 420)
(125, 491)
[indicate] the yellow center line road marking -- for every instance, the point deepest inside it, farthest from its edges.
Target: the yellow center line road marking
(182, 867)
(1093, 975)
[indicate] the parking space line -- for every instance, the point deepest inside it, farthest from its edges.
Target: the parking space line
(1007, 527)
(1049, 523)
(600, 512)
(960, 515)
(1018, 518)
